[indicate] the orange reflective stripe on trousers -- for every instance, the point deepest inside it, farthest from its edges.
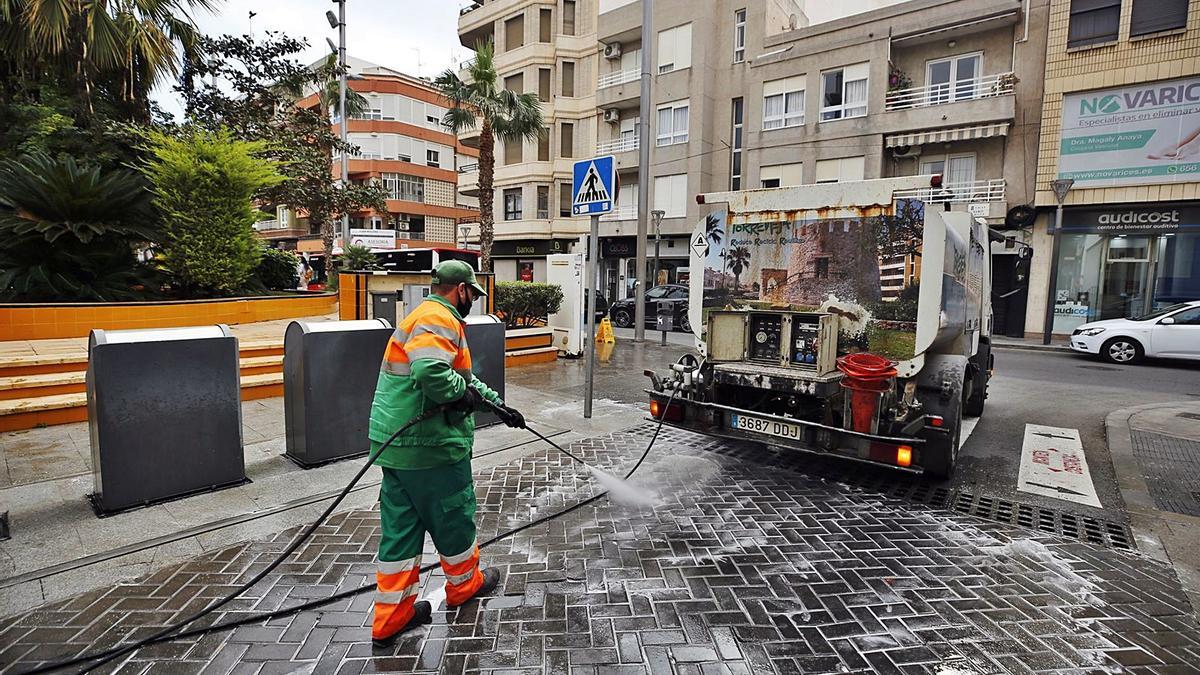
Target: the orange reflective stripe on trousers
(394, 597)
(463, 577)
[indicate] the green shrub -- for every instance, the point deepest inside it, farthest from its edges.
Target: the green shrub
(68, 232)
(276, 269)
(358, 257)
(525, 304)
(203, 183)
(903, 308)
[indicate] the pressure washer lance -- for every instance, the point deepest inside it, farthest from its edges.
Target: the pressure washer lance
(171, 632)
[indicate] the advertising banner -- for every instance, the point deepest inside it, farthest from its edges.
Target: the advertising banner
(1141, 134)
(374, 239)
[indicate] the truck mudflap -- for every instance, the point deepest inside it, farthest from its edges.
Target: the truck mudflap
(902, 453)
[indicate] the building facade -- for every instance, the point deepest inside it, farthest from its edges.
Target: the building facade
(400, 144)
(547, 47)
(1122, 119)
(747, 94)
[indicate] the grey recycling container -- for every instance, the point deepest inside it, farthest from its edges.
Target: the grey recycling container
(485, 339)
(383, 305)
(164, 414)
(330, 369)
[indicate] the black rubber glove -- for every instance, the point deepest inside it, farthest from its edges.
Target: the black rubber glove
(469, 402)
(511, 416)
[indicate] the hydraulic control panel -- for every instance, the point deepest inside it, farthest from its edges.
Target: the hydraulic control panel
(800, 340)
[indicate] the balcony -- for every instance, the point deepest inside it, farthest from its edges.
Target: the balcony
(618, 77)
(617, 145)
(468, 180)
(976, 191)
(271, 224)
(950, 92)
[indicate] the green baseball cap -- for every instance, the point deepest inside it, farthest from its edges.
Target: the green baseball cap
(455, 272)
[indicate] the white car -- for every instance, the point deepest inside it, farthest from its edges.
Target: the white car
(1171, 332)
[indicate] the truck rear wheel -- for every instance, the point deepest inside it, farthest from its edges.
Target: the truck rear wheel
(941, 448)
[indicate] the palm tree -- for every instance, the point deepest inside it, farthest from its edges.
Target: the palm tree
(737, 259)
(499, 113)
(130, 43)
(712, 228)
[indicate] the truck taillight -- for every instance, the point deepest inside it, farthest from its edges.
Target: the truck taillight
(904, 455)
(659, 410)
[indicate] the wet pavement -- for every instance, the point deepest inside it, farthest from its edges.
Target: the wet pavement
(742, 565)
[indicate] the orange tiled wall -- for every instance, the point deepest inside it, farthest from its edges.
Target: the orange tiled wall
(40, 322)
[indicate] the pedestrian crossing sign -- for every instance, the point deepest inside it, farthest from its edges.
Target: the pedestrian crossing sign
(594, 186)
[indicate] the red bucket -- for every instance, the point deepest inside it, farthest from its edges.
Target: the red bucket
(867, 376)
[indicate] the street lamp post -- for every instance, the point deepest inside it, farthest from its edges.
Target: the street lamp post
(657, 214)
(1060, 187)
(339, 22)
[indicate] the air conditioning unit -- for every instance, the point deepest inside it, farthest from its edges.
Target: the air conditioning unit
(612, 116)
(903, 151)
(612, 51)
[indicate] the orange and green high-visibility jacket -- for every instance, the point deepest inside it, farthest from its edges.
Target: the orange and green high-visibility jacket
(426, 364)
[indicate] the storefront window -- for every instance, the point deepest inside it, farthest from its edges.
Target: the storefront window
(1079, 266)
(1177, 272)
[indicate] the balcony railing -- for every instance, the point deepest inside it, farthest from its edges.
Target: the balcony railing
(621, 213)
(950, 92)
(617, 145)
(468, 168)
(272, 224)
(469, 6)
(991, 190)
(619, 77)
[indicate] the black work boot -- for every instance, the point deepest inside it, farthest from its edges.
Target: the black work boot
(422, 611)
(491, 579)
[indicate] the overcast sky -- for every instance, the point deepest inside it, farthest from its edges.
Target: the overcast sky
(418, 37)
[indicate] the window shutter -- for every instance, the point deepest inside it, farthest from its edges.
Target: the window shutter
(1152, 16)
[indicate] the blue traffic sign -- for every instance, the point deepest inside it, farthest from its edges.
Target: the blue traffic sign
(594, 188)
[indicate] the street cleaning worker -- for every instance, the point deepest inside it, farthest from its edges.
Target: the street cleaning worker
(427, 483)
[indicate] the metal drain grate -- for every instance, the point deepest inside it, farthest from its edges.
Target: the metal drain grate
(915, 489)
(1105, 533)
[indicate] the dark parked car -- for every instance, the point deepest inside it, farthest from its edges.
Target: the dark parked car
(601, 306)
(622, 311)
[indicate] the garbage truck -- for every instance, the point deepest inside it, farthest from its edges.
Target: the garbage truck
(849, 319)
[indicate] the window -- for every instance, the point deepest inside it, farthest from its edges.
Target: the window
(783, 103)
(544, 145)
(515, 83)
(513, 149)
(953, 79)
(670, 195)
(1188, 317)
(823, 267)
(568, 17)
(564, 200)
(1093, 22)
(673, 123)
(544, 84)
(840, 170)
(844, 92)
(514, 32)
(512, 204)
(781, 175)
(566, 142)
(675, 48)
(568, 78)
(401, 186)
(545, 25)
(432, 158)
(739, 36)
(543, 201)
(735, 152)
(957, 171)
(1154, 16)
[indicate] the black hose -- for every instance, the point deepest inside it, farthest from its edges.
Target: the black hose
(169, 633)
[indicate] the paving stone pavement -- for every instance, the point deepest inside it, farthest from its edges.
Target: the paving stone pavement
(741, 566)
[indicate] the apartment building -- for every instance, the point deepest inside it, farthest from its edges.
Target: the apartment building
(547, 47)
(1122, 118)
(400, 144)
(749, 94)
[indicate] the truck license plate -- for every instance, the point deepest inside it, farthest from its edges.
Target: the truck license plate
(769, 427)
